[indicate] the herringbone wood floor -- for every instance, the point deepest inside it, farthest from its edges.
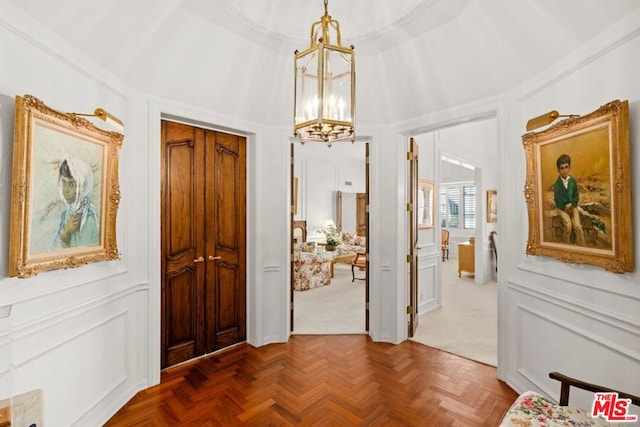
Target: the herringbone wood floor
(327, 380)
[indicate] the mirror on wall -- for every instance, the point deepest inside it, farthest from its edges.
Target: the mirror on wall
(350, 212)
(425, 203)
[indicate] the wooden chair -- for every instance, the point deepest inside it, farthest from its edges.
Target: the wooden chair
(532, 408)
(493, 236)
(361, 263)
(302, 225)
(567, 382)
(444, 243)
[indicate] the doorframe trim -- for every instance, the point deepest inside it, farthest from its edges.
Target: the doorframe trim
(477, 111)
(159, 110)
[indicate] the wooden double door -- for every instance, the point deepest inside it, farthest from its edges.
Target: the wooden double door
(361, 213)
(203, 241)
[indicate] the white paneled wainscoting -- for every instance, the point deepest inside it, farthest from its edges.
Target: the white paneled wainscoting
(79, 340)
(556, 332)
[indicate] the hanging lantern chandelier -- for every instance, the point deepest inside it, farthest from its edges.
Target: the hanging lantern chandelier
(324, 96)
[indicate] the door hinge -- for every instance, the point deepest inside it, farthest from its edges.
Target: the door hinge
(366, 306)
(409, 207)
(409, 309)
(366, 160)
(409, 258)
(409, 155)
(366, 208)
(291, 306)
(292, 160)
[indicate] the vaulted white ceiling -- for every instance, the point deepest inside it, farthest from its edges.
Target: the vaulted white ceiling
(413, 57)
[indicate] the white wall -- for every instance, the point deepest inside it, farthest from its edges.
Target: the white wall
(80, 335)
(476, 144)
(349, 212)
(429, 255)
(322, 171)
(89, 337)
(577, 319)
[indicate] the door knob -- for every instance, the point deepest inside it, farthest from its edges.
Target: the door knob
(212, 258)
(199, 259)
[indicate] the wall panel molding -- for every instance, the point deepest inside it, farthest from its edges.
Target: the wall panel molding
(428, 287)
(572, 279)
(52, 284)
(40, 336)
(585, 334)
(100, 413)
(537, 383)
(426, 256)
(567, 303)
(5, 354)
(531, 363)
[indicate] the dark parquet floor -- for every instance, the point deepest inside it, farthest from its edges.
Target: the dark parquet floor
(323, 380)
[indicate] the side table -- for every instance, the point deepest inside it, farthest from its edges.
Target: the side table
(466, 258)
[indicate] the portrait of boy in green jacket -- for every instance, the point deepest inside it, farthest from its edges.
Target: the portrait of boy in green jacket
(566, 197)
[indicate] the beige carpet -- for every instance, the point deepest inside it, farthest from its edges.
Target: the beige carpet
(466, 324)
(338, 308)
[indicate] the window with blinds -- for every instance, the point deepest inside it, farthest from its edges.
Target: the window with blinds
(469, 203)
(458, 206)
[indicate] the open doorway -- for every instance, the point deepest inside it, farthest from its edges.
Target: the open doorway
(329, 217)
(458, 295)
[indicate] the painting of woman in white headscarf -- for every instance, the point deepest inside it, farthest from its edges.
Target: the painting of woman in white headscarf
(78, 224)
(66, 192)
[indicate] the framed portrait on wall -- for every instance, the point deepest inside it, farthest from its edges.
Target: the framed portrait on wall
(65, 190)
(492, 205)
(578, 189)
(426, 203)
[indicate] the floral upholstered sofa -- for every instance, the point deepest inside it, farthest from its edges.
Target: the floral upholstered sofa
(311, 269)
(532, 409)
(353, 243)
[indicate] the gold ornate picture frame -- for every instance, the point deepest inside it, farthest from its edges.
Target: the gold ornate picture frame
(426, 203)
(492, 205)
(586, 217)
(65, 190)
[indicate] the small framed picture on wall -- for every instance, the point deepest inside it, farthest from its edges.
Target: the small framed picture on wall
(492, 205)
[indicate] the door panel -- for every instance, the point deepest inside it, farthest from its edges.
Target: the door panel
(181, 322)
(181, 238)
(367, 228)
(203, 241)
(226, 309)
(412, 309)
(293, 189)
(226, 201)
(180, 197)
(361, 208)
